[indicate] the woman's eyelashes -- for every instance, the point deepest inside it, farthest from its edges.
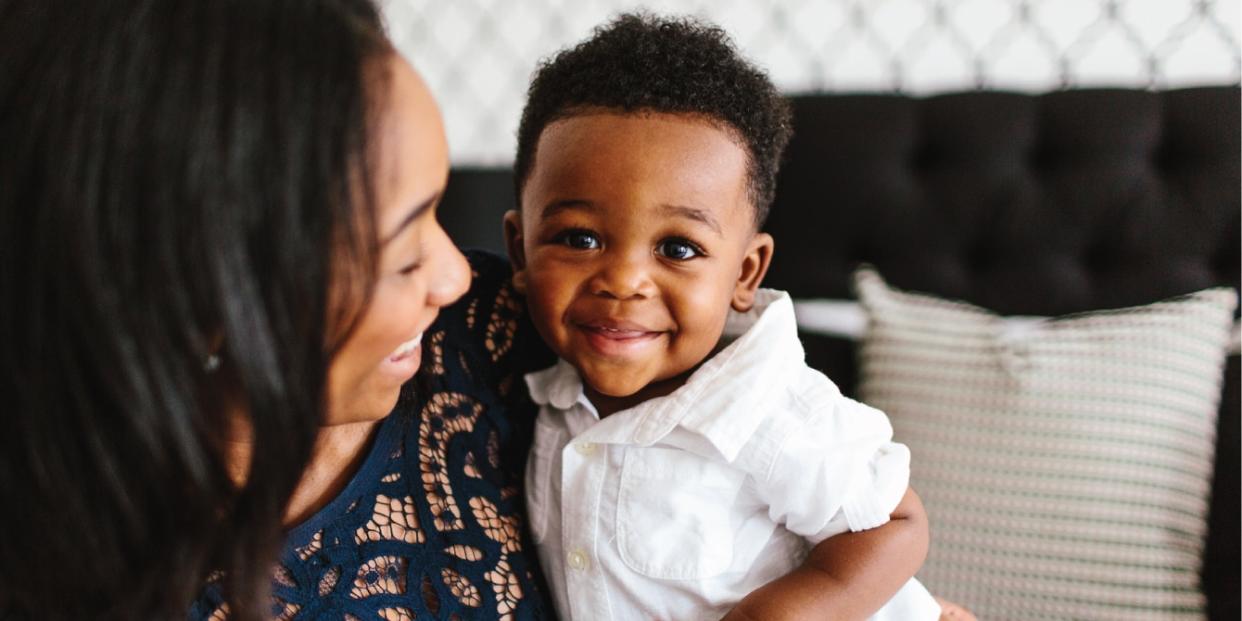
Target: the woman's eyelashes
(415, 263)
(411, 267)
(410, 250)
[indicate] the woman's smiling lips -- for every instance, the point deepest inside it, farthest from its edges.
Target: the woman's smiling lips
(617, 337)
(403, 362)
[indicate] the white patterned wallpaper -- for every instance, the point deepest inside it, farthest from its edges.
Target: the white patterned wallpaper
(477, 55)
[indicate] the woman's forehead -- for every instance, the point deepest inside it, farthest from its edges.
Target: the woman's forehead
(412, 152)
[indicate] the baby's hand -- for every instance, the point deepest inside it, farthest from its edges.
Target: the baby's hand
(952, 612)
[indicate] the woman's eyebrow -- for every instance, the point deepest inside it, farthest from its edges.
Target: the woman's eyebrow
(412, 216)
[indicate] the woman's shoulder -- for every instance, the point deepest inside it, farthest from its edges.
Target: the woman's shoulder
(488, 327)
(490, 270)
(432, 522)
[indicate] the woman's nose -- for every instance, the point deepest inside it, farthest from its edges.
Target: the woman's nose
(449, 272)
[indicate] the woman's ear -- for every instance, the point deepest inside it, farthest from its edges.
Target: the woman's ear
(754, 266)
(513, 245)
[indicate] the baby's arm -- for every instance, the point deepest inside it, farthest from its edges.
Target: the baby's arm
(847, 576)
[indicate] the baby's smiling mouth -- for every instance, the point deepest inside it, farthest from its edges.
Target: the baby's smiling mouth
(617, 336)
(617, 328)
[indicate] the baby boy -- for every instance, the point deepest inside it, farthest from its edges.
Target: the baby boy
(686, 458)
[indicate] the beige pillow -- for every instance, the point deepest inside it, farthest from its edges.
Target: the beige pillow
(1065, 463)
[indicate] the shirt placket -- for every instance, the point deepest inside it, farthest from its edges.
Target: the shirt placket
(583, 473)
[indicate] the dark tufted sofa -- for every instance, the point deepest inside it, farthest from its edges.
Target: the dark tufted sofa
(1030, 205)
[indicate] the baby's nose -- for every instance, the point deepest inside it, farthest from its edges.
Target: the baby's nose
(623, 277)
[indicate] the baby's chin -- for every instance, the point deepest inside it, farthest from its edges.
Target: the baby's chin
(610, 385)
(628, 386)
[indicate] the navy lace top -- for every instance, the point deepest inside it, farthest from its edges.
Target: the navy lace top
(433, 524)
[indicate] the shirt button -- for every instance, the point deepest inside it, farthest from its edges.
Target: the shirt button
(585, 448)
(578, 560)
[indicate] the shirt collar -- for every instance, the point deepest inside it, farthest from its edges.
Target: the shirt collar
(558, 386)
(729, 396)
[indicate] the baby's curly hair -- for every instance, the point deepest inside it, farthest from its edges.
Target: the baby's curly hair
(641, 63)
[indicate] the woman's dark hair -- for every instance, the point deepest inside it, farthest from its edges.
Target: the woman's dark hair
(177, 180)
(641, 63)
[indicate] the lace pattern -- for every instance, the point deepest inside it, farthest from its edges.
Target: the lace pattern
(431, 527)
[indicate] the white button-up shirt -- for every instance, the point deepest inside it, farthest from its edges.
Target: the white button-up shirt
(681, 506)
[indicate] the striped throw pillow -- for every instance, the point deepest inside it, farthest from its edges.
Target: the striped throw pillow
(1065, 463)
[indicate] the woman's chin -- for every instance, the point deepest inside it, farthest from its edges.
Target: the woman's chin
(376, 397)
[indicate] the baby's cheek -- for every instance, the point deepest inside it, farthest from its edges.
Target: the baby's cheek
(683, 355)
(546, 314)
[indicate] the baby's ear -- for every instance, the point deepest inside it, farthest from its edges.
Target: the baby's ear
(513, 245)
(754, 266)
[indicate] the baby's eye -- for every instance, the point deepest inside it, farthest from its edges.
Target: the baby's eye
(678, 249)
(579, 239)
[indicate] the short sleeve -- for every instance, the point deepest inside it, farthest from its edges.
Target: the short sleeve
(837, 469)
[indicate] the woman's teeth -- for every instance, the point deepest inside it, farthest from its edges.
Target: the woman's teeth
(407, 347)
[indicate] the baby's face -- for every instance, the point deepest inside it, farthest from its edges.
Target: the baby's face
(636, 236)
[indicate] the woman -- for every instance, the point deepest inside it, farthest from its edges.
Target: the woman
(220, 251)
(220, 262)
